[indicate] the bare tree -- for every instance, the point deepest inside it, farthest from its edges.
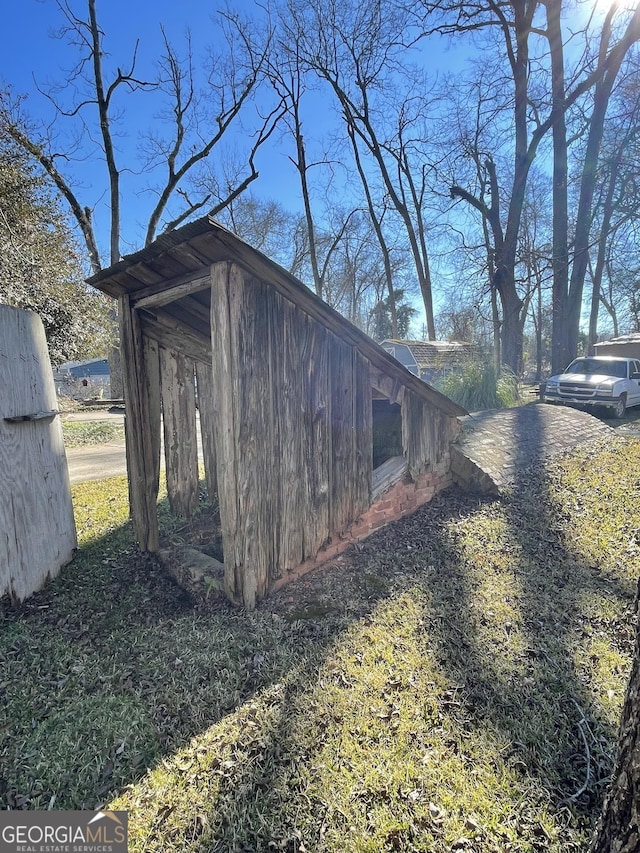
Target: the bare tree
(356, 50)
(266, 225)
(616, 201)
(194, 128)
(286, 74)
(514, 23)
(567, 299)
(377, 214)
(542, 95)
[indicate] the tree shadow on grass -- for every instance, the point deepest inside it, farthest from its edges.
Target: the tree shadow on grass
(110, 672)
(517, 664)
(522, 686)
(111, 668)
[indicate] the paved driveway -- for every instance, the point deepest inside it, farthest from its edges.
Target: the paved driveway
(98, 461)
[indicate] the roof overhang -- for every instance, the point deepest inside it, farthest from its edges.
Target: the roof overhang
(171, 275)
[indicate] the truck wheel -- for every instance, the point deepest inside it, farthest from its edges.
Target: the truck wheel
(621, 406)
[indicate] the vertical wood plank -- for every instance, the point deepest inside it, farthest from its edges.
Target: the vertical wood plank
(426, 433)
(290, 401)
(362, 435)
(179, 423)
(206, 392)
(341, 425)
(152, 384)
(226, 428)
(316, 457)
(276, 441)
(248, 308)
(139, 427)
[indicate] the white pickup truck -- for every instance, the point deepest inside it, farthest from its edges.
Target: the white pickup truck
(599, 382)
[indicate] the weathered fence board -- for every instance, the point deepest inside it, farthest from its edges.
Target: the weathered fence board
(223, 362)
(289, 404)
(342, 427)
(151, 353)
(142, 427)
(206, 392)
(253, 446)
(316, 459)
(179, 426)
(293, 443)
(37, 530)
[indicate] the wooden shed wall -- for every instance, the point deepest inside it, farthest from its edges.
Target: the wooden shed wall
(622, 349)
(292, 414)
(286, 415)
(426, 433)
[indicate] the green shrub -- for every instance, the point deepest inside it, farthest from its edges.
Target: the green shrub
(475, 386)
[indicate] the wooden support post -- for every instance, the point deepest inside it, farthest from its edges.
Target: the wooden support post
(206, 393)
(179, 420)
(226, 427)
(142, 426)
(248, 464)
(152, 372)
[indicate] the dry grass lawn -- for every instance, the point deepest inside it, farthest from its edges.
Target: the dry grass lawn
(453, 684)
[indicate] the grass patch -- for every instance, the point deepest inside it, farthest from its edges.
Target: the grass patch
(454, 683)
(84, 433)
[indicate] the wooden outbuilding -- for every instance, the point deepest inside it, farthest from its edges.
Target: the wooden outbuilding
(625, 346)
(285, 388)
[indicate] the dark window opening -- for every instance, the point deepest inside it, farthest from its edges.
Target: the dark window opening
(387, 431)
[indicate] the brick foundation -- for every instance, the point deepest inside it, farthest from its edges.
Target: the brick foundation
(400, 499)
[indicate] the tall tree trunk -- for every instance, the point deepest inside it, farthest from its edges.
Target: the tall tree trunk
(596, 285)
(512, 332)
(602, 96)
(560, 258)
(497, 327)
(302, 168)
(539, 335)
(495, 313)
(102, 102)
(619, 825)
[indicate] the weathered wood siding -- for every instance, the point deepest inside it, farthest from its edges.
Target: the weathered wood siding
(140, 374)
(179, 425)
(426, 433)
(292, 413)
(204, 376)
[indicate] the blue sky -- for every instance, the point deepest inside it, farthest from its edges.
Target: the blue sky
(29, 52)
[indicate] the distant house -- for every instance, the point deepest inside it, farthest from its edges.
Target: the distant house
(93, 368)
(93, 373)
(429, 359)
(626, 346)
